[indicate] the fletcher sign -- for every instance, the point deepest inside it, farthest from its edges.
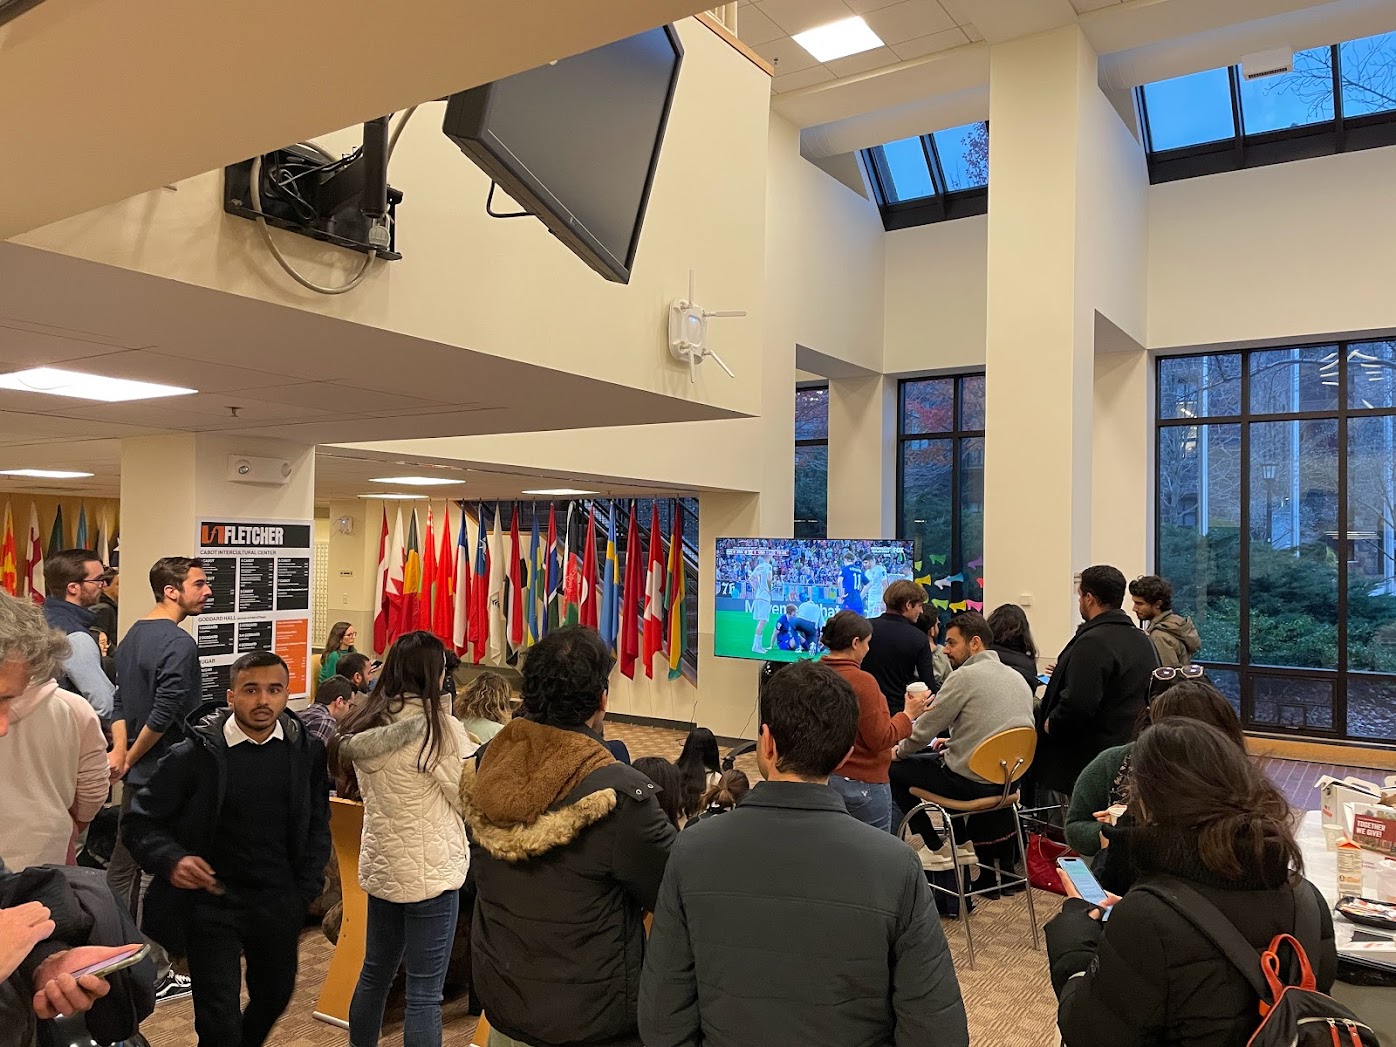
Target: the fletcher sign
(253, 536)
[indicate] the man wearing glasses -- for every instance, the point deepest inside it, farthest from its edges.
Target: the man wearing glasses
(73, 582)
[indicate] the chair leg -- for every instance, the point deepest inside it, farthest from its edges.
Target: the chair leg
(959, 884)
(1023, 853)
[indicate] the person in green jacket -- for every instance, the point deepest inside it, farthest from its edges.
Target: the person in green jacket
(341, 641)
(1102, 784)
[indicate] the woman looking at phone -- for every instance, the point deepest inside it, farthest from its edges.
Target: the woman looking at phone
(1208, 818)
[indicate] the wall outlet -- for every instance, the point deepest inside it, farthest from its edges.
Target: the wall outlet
(1025, 599)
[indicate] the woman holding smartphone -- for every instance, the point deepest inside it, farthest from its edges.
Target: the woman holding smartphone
(1213, 825)
(405, 749)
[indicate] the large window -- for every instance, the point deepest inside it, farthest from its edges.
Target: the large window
(940, 485)
(1277, 528)
(812, 461)
(931, 178)
(1334, 99)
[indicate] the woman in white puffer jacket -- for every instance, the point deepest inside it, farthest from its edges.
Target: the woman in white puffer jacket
(406, 751)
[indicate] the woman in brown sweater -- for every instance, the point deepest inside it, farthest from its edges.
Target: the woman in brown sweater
(862, 777)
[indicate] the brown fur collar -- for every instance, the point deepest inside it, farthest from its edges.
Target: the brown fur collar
(529, 768)
(522, 841)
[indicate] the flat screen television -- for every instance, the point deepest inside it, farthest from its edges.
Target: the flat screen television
(576, 142)
(775, 594)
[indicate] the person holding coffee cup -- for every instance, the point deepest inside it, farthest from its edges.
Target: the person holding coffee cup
(862, 777)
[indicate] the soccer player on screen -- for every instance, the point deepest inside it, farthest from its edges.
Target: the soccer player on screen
(759, 581)
(785, 639)
(852, 579)
(876, 576)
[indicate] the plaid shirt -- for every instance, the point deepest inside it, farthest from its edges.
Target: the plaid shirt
(318, 721)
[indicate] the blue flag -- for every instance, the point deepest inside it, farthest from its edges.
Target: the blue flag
(610, 587)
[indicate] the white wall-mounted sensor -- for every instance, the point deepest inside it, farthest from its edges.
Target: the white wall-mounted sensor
(1274, 62)
(688, 331)
(247, 469)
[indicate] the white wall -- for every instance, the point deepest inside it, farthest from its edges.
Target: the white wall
(506, 288)
(1279, 254)
(937, 294)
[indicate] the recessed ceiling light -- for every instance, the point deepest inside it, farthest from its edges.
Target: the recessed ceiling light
(45, 474)
(847, 36)
(417, 481)
(56, 382)
(560, 492)
(404, 497)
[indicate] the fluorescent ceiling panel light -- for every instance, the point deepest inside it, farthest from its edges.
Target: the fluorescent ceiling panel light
(54, 381)
(45, 474)
(847, 36)
(560, 492)
(404, 497)
(417, 481)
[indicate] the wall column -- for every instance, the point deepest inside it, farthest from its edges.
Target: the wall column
(862, 457)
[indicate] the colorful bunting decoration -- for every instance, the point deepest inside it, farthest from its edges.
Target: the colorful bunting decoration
(975, 563)
(942, 605)
(975, 605)
(948, 580)
(937, 560)
(958, 605)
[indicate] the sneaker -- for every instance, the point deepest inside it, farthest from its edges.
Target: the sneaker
(931, 861)
(968, 860)
(174, 987)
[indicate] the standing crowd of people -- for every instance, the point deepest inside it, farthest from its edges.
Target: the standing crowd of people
(794, 912)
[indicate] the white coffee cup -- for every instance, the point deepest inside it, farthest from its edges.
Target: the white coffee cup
(917, 687)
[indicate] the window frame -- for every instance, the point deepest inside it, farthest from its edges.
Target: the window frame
(1242, 151)
(957, 435)
(1247, 672)
(803, 387)
(941, 206)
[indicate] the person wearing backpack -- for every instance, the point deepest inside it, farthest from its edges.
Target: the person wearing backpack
(1218, 864)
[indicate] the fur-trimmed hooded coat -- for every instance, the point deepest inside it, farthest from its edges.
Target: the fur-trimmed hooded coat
(568, 849)
(413, 845)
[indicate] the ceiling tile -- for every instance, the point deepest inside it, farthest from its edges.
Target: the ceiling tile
(909, 20)
(862, 63)
(804, 78)
(145, 365)
(929, 45)
(786, 55)
(755, 28)
(862, 7)
(975, 36)
(795, 16)
(20, 348)
(1083, 6)
(343, 398)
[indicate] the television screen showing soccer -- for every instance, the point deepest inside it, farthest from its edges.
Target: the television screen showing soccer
(775, 594)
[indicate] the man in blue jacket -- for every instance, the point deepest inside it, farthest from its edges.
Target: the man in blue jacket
(786, 922)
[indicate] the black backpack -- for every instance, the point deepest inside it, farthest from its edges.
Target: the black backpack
(1292, 1014)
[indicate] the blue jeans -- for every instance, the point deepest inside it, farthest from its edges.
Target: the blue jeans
(869, 802)
(423, 932)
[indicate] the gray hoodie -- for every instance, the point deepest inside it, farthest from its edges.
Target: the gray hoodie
(1175, 638)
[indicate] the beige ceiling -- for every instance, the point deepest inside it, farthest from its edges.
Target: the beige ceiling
(288, 372)
(104, 100)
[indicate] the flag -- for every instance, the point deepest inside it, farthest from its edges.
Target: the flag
(610, 587)
(382, 609)
(630, 598)
(442, 609)
(514, 585)
(56, 543)
(479, 626)
(536, 581)
(9, 562)
(425, 604)
(397, 563)
(569, 603)
(411, 579)
(34, 558)
(554, 575)
(653, 640)
(675, 612)
(100, 546)
(497, 625)
(590, 595)
(116, 547)
(82, 527)
(463, 593)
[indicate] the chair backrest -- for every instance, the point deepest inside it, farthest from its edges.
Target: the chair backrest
(1005, 757)
(346, 830)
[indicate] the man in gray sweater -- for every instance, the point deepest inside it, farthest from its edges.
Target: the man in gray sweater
(980, 698)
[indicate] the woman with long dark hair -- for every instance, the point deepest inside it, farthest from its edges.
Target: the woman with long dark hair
(1211, 825)
(1013, 641)
(405, 749)
(340, 641)
(666, 776)
(699, 765)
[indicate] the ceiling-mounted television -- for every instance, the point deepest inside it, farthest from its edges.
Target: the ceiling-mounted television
(775, 594)
(576, 142)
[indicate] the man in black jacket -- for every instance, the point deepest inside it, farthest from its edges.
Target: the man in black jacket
(1098, 688)
(786, 922)
(899, 651)
(567, 849)
(234, 826)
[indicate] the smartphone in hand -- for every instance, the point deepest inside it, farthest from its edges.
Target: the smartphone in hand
(1087, 886)
(112, 964)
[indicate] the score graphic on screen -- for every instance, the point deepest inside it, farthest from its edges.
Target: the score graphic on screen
(775, 594)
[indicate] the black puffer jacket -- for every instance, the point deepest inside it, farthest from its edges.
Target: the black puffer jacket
(567, 851)
(1025, 665)
(1098, 690)
(1149, 977)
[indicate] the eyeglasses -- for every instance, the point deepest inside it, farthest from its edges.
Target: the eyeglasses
(101, 583)
(1187, 672)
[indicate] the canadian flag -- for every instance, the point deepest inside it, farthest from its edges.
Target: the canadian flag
(654, 596)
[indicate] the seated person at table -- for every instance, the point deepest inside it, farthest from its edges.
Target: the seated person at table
(981, 698)
(1211, 823)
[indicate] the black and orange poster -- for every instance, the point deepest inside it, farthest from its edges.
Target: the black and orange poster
(260, 574)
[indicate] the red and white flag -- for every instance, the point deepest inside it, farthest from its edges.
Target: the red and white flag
(654, 596)
(34, 558)
(382, 610)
